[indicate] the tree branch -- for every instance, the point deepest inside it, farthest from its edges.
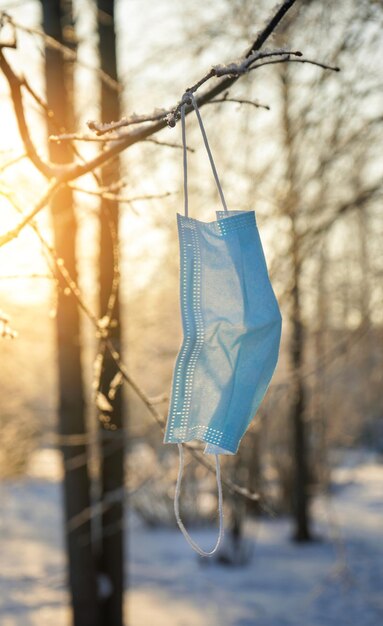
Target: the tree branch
(47, 195)
(253, 103)
(67, 173)
(107, 195)
(310, 236)
(15, 84)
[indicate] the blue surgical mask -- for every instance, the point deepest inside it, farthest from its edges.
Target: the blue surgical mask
(231, 328)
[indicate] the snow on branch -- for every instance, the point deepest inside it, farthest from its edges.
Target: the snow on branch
(145, 125)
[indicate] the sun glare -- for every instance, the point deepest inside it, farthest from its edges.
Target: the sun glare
(24, 275)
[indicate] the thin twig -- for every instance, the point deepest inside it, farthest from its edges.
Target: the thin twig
(13, 162)
(68, 53)
(82, 137)
(42, 202)
(107, 195)
(116, 137)
(168, 144)
(15, 84)
(253, 103)
(288, 59)
(26, 276)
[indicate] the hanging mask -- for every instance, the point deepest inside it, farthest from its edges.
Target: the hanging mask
(231, 331)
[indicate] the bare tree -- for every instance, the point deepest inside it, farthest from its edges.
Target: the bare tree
(112, 427)
(82, 576)
(318, 136)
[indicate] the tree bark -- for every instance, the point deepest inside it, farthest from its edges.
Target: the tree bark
(112, 429)
(82, 578)
(300, 482)
(300, 495)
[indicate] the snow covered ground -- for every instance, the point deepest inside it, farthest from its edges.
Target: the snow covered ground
(336, 581)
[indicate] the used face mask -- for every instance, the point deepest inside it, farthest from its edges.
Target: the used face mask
(231, 331)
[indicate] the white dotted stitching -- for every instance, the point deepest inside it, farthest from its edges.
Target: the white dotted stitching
(186, 341)
(236, 222)
(199, 333)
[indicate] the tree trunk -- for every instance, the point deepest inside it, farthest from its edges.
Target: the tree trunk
(320, 389)
(82, 578)
(300, 495)
(112, 428)
(254, 471)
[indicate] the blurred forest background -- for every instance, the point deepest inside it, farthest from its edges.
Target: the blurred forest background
(299, 144)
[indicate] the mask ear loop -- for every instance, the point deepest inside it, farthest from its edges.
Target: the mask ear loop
(185, 160)
(187, 99)
(185, 533)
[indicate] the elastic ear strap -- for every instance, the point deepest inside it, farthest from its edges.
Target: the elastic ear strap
(204, 136)
(209, 152)
(185, 160)
(185, 533)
